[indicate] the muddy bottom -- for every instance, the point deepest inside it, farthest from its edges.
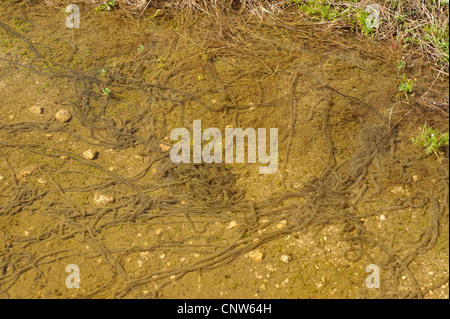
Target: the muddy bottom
(88, 188)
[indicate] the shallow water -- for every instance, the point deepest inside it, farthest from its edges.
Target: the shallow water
(220, 231)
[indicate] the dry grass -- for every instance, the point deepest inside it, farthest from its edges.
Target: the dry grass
(419, 27)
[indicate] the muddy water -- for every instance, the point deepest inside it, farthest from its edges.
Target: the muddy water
(210, 232)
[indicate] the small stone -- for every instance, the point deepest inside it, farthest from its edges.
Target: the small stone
(63, 116)
(145, 255)
(282, 224)
(398, 190)
(102, 199)
(64, 157)
(382, 217)
(256, 255)
(232, 224)
(286, 258)
(36, 109)
(165, 147)
(90, 154)
(2, 178)
(415, 178)
(26, 172)
(158, 231)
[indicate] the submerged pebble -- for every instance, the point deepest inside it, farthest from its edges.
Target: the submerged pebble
(286, 258)
(26, 172)
(232, 224)
(90, 154)
(164, 147)
(256, 255)
(36, 109)
(63, 116)
(282, 224)
(103, 199)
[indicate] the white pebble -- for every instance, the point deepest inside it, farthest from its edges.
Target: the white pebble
(382, 217)
(398, 190)
(36, 109)
(165, 147)
(256, 255)
(286, 258)
(282, 224)
(63, 116)
(232, 224)
(90, 154)
(26, 172)
(103, 199)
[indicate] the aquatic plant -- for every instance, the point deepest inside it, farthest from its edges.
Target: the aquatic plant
(106, 91)
(106, 6)
(407, 85)
(431, 139)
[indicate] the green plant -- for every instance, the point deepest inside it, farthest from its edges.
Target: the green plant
(20, 24)
(107, 5)
(361, 21)
(431, 139)
(439, 38)
(161, 61)
(102, 72)
(106, 91)
(401, 65)
(407, 85)
(318, 9)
